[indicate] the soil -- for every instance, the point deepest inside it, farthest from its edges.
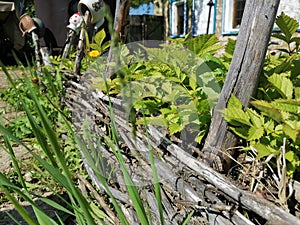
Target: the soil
(21, 153)
(8, 114)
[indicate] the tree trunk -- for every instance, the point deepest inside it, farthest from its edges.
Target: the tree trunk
(242, 78)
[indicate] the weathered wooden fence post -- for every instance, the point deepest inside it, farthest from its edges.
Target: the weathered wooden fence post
(242, 78)
(121, 18)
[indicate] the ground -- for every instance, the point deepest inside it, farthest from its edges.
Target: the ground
(5, 162)
(6, 113)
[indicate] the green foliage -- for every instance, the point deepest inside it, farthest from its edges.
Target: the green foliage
(93, 50)
(275, 114)
(199, 45)
(29, 8)
(266, 128)
(56, 158)
(173, 87)
(203, 44)
(48, 87)
(137, 3)
(98, 44)
(288, 27)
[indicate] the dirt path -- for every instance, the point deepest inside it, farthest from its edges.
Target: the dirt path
(6, 115)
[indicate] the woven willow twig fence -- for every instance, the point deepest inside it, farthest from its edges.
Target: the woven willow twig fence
(187, 183)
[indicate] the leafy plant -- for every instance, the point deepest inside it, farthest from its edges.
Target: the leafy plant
(98, 43)
(54, 163)
(275, 115)
(47, 84)
(172, 87)
(288, 26)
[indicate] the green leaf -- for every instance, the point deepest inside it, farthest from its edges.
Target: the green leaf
(156, 121)
(255, 133)
(268, 109)
(236, 116)
(187, 220)
(193, 83)
(99, 37)
(175, 128)
(281, 37)
(256, 119)
(56, 205)
(287, 25)
(98, 213)
(202, 44)
(200, 136)
(230, 46)
(234, 102)
(263, 150)
(289, 105)
(296, 40)
(283, 85)
(291, 157)
(290, 132)
(94, 46)
(297, 93)
(269, 126)
(240, 131)
(284, 68)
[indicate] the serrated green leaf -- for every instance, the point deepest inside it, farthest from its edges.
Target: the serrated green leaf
(263, 150)
(166, 111)
(256, 119)
(230, 46)
(290, 132)
(283, 85)
(294, 124)
(173, 118)
(291, 157)
(284, 67)
(240, 131)
(234, 102)
(287, 25)
(268, 109)
(167, 87)
(148, 106)
(175, 128)
(150, 89)
(202, 44)
(236, 116)
(289, 105)
(255, 133)
(281, 37)
(296, 40)
(155, 121)
(269, 126)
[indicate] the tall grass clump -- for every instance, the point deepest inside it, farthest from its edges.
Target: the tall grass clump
(50, 156)
(39, 97)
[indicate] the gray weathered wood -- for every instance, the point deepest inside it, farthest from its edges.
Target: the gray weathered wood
(194, 189)
(242, 78)
(168, 171)
(251, 201)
